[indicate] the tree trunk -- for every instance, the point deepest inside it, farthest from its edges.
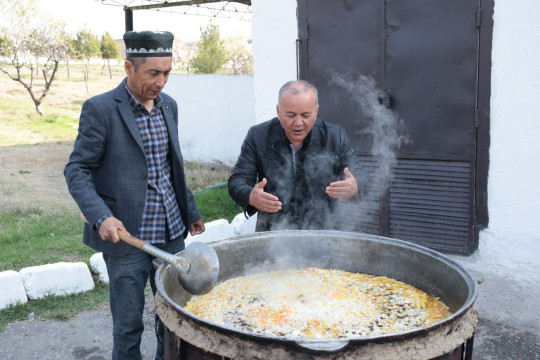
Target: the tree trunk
(110, 72)
(38, 108)
(30, 90)
(85, 73)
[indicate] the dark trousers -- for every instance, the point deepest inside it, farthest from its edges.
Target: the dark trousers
(128, 276)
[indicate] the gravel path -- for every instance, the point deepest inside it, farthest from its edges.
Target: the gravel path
(84, 337)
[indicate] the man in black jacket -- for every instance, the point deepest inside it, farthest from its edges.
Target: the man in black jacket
(305, 166)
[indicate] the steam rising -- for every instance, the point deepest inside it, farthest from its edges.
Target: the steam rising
(283, 252)
(385, 129)
(384, 126)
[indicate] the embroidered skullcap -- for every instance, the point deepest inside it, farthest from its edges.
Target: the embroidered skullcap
(148, 43)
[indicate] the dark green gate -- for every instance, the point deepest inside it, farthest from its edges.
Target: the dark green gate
(430, 62)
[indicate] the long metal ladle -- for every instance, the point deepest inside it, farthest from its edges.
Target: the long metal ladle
(197, 264)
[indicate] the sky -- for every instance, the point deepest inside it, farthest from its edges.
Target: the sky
(99, 18)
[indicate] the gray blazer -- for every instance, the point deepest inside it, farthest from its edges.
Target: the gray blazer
(107, 171)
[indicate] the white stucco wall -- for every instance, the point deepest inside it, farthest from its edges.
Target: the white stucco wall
(513, 235)
(275, 31)
(215, 113)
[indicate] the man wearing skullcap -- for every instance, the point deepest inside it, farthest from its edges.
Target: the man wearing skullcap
(126, 173)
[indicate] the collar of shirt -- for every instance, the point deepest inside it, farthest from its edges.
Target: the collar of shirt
(136, 104)
(294, 154)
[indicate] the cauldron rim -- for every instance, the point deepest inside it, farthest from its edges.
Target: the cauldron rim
(379, 338)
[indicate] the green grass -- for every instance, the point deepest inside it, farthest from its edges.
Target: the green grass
(62, 127)
(32, 237)
(51, 127)
(216, 204)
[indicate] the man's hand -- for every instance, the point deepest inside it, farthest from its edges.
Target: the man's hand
(109, 229)
(197, 227)
(344, 189)
(262, 200)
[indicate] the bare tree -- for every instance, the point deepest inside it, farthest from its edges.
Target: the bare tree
(183, 53)
(240, 56)
(27, 43)
(70, 52)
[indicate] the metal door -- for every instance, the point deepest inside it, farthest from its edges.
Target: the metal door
(422, 56)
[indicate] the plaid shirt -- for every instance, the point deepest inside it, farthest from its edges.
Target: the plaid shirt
(161, 213)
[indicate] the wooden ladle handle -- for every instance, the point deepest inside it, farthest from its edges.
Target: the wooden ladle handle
(124, 236)
(132, 240)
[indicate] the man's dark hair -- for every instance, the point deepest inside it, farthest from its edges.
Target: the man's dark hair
(136, 61)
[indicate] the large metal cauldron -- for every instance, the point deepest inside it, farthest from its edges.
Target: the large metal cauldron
(191, 337)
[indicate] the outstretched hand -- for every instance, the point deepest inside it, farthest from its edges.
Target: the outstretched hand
(343, 189)
(262, 200)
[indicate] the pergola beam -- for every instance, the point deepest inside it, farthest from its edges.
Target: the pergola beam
(167, 4)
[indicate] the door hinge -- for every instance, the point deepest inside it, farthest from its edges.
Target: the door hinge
(479, 14)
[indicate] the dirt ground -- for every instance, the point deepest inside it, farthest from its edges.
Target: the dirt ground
(34, 172)
(87, 336)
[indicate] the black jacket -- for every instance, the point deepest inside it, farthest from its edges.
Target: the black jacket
(266, 153)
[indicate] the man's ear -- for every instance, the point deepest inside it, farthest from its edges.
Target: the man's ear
(277, 110)
(128, 66)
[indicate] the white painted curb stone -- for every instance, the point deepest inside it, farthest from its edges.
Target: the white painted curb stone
(241, 225)
(98, 267)
(56, 279)
(12, 289)
(215, 230)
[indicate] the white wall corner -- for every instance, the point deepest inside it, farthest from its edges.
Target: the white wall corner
(275, 30)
